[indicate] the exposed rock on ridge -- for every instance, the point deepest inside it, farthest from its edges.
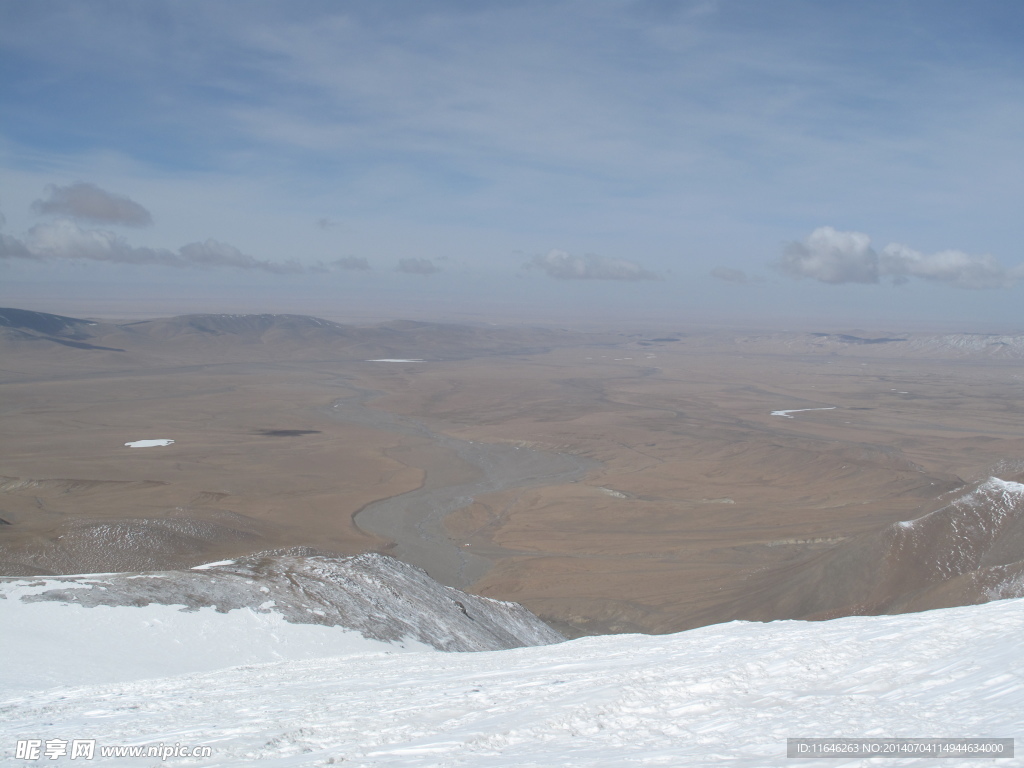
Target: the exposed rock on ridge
(382, 598)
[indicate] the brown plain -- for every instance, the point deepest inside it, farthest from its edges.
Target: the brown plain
(703, 498)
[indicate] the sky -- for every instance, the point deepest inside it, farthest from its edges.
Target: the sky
(621, 161)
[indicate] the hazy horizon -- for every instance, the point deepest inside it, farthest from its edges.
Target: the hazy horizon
(803, 165)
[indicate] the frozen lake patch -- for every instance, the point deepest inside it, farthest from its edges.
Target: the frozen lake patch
(801, 410)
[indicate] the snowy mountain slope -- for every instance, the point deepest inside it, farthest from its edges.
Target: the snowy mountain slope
(969, 551)
(721, 695)
(255, 609)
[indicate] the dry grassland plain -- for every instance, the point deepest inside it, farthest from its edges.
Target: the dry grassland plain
(254, 466)
(703, 496)
(696, 496)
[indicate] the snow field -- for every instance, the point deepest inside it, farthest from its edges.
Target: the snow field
(106, 644)
(729, 694)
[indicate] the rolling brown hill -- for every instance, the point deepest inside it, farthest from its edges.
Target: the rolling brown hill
(966, 552)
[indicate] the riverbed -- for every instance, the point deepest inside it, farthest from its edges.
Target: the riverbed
(415, 520)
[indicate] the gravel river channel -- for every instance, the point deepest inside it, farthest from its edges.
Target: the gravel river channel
(415, 520)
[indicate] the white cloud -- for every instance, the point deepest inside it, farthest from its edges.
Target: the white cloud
(88, 202)
(417, 266)
(832, 256)
(730, 275)
(953, 267)
(350, 263)
(13, 248)
(212, 253)
(64, 239)
(565, 266)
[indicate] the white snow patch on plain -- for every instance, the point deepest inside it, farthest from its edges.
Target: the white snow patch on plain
(150, 443)
(801, 410)
(206, 566)
(395, 360)
(47, 643)
(724, 695)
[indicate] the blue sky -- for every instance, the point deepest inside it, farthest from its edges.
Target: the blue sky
(785, 162)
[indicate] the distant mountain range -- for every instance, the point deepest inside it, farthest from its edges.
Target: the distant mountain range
(231, 337)
(243, 337)
(919, 345)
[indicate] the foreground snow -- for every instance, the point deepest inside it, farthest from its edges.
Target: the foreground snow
(723, 695)
(48, 644)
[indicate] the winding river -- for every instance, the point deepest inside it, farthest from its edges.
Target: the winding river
(415, 520)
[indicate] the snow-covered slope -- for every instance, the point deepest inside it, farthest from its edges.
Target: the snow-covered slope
(969, 551)
(980, 533)
(725, 695)
(123, 626)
